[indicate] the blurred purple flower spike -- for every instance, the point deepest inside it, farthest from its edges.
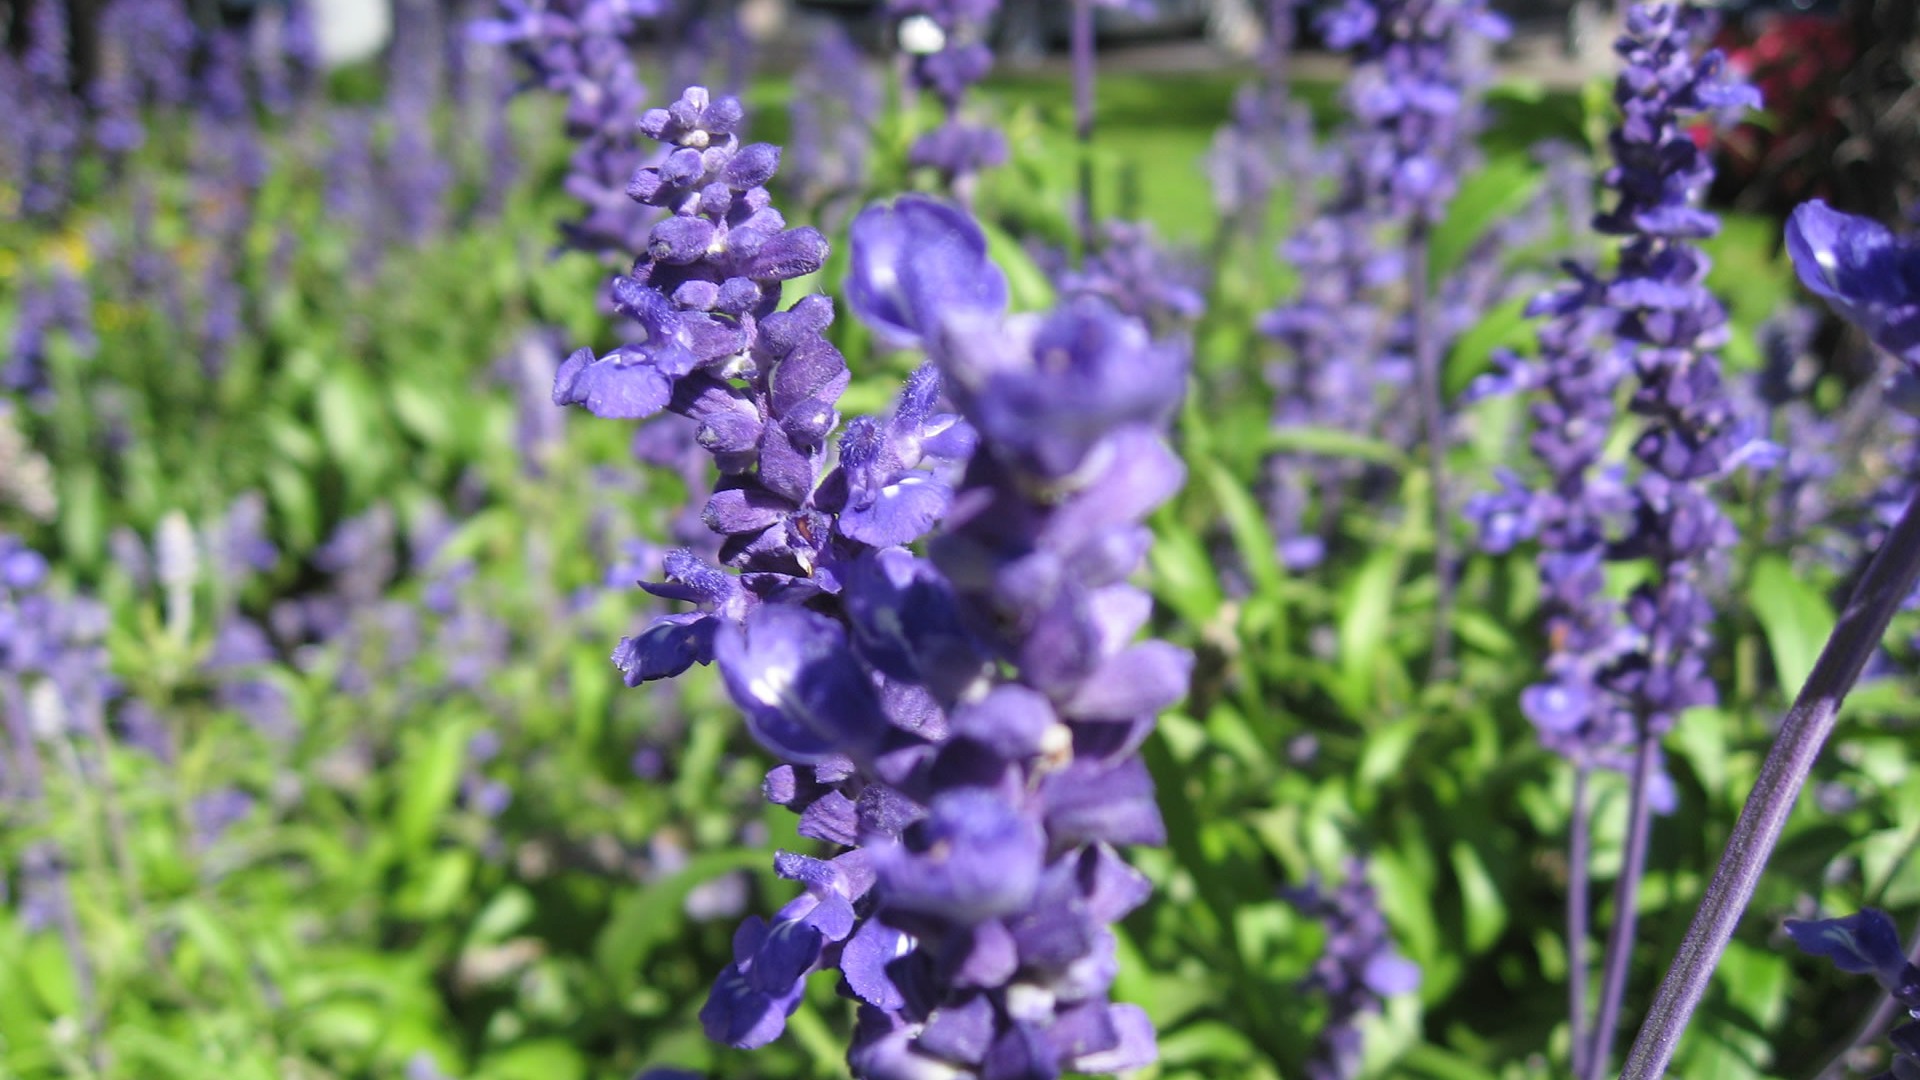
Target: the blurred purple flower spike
(1046, 392)
(914, 263)
(1868, 274)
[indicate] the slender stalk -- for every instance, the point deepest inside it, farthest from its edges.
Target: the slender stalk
(1433, 423)
(42, 859)
(1083, 70)
(1626, 908)
(1579, 859)
(1888, 580)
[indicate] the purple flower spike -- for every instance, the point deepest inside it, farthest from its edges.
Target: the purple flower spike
(916, 262)
(968, 724)
(1047, 393)
(1867, 273)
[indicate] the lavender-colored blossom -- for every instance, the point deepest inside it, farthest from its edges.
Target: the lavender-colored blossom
(583, 50)
(946, 719)
(54, 685)
(1671, 324)
(1131, 269)
(1417, 64)
(1868, 943)
(57, 306)
(217, 812)
(1350, 354)
(1619, 675)
(947, 56)
(1357, 970)
(44, 126)
(416, 175)
(916, 262)
(1868, 274)
(1652, 318)
(837, 98)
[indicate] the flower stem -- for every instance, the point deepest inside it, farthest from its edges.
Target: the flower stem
(1083, 71)
(1579, 856)
(1888, 580)
(1626, 908)
(1433, 423)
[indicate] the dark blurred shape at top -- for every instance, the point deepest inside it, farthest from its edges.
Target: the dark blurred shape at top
(1844, 121)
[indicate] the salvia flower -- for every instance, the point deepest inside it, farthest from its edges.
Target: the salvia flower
(1669, 326)
(1617, 675)
(583, 49)
(1867, 943)
(1358, 969)
(1869, 275)
(963, 727)
(1417, 64)
(945, 41)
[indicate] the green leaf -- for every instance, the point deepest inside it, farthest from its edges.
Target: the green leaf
(150, 1054)
(429, 775)
(1794, 616)
(1432, 1061)
(1332, 442)
(646, 918)
(1247, 525)
(1183, 575)
(1484, 908)
(1028, 287)
(1492, 194)
(1700, 738)
(510, 909)
(425, 418)
(438, 886)
(50, 970)
(1208, 1041)
(1503, 326)
(1365, 611)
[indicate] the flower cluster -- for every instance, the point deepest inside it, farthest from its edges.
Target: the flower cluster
(57, 307)
(944, 38)
(965, 725)
(1416, 67)
(45, 125)
(969, 723)
(1358, 969)
(1668, 325)
(1417, 64)
(1610, 685)
(583, 49)
(54, 684)
(837, 98)
(1131, 269)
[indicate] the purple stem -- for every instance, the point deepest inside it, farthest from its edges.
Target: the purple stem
(1626, 908)
(1433, 421)
(1579, 856)
(1887, 582)
(1279, 39)
(1083, 66)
